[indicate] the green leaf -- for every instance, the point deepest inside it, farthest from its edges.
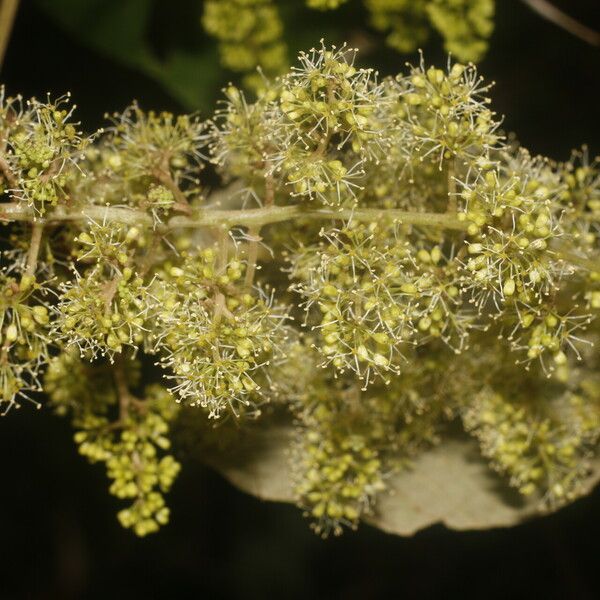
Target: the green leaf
(192, 79)
(449, 484)
(119, 29)
(116, 28)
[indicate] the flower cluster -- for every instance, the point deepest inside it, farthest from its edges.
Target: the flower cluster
(250, 32)
(449, 115)
(250, 35)
(43, 149)
(131, 445)
(377, 263)
(538, 435)
(465, 25)
(24, 339)
(244, 135)
(349, 441)
(376, 297)
(214, 334)
(341, 467)
(314, 132)
(324, 4)
(329, 107)
(106, 308)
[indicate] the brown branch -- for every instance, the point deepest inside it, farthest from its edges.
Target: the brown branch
(126, 398)
(37, 231)
(551, 13)
(122, 388)
(8, 12)
(254, 233)
(109, 290)
(7, 173)
(220, 308)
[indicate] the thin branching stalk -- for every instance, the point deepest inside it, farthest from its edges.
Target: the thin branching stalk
(254, 233)
(37, 230)
(552, 13)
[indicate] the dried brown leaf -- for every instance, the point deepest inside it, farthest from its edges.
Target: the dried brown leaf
(450, 484)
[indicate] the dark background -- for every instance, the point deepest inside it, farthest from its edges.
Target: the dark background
(59, 537)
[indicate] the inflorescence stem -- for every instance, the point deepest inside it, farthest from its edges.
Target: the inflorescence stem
(219, 218)
(256, 218)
